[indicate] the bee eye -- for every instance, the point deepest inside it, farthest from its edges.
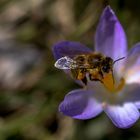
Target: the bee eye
(105, 69)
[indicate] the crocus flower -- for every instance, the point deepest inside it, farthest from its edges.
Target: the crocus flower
(121, 104)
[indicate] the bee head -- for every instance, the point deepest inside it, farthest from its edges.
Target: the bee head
(107, 64)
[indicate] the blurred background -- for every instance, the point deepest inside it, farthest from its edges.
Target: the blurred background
(31, 88)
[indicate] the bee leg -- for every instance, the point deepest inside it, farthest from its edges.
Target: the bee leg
(84, 80)
(94, 79)
(79, 74)
(101, 76)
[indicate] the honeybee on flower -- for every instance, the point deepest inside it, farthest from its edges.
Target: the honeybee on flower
(113, 89)
(92, 65)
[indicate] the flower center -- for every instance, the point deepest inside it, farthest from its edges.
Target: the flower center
(110, 84)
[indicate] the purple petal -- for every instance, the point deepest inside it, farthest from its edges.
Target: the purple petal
(110, 37)
(123, 116)
(69, 48)
(80, 105)
(133, 56)
(131, 93)
(132, 65)
(137, 104)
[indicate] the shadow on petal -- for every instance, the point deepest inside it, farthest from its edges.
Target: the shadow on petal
(80, 105)
(132, 93)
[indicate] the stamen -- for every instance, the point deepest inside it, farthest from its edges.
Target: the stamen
(121, 85)
(110, 84)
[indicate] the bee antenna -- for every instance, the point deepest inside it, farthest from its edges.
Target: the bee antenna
(118, 60)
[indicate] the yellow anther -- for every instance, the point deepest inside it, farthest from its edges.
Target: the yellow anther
(121, 85)
(110, 85)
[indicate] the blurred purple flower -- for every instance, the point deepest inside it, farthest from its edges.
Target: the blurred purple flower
(20, 65)
(121, 105)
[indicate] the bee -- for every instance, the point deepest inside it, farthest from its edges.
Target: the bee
(93, 65)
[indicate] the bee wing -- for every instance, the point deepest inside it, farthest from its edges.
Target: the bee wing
(65, 63)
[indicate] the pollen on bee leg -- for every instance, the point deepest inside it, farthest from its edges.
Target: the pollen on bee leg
(80, 75)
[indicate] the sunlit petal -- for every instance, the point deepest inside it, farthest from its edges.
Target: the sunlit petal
(132, 66)
(123, 116)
